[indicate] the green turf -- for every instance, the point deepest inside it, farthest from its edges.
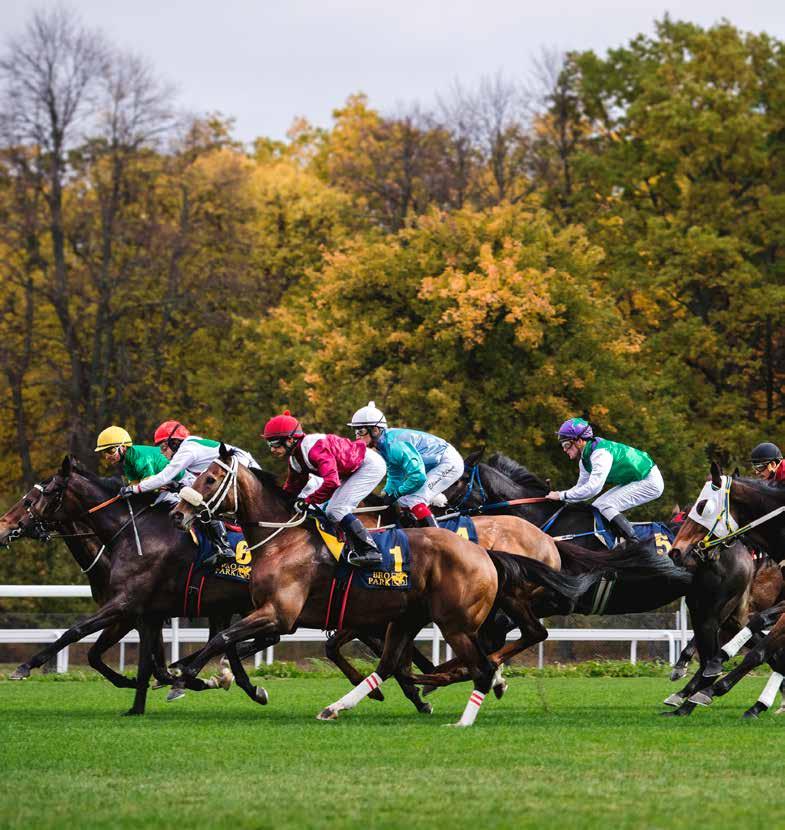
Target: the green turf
(555, 752)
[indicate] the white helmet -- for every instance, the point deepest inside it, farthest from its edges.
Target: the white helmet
(368, 416)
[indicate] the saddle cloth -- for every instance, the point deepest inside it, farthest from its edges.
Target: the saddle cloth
(239, 570)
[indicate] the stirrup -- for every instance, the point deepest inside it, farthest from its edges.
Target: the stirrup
(364, 559)
(220, 556)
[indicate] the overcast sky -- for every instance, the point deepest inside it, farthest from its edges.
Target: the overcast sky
(264, 62)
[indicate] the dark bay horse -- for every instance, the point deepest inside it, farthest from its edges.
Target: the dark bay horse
(146, 560)
(729, 506)
(86, 550)
(453, 583)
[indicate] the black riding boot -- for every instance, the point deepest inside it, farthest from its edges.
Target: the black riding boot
(363, 552)
(622, 528)
(223, 551)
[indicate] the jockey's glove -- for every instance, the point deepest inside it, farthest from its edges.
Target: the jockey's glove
(300, 506)
(388, 499)
(128, 490)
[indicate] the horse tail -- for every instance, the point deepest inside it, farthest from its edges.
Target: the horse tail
(512, 570)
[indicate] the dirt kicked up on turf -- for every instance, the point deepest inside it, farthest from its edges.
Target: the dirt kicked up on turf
(555, 752)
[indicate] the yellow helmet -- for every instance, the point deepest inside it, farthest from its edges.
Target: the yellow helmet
(113, 437)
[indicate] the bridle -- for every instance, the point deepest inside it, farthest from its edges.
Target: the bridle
(715, 538)
(474, 479)
(207, 510)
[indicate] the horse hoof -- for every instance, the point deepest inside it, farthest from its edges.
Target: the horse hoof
(713, 668)
(682, 712)
(499, 689)
(674, 700)
(261, 695)
(328, 714)
(376, 694)
(224, 663)
(22, 673)
(175, 694)
(426, 709)
(427, 690)
(176, 671)
(132, 712)
(751, 714)
(457, 725)
(225, 680)
(678, 672)
(702, 698)
(781, 710)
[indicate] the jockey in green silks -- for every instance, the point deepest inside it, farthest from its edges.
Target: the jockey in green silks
(636, 478)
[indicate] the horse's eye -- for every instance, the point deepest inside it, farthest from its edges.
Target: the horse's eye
(209, 480)
(706, 508)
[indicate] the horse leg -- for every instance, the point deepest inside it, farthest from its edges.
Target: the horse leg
(685, 658)
(468, 649)
(262, 621)
(257, 693)
(109, 637)
(400, 635)
(769, 693)
(110, 614)
(332, 650)
(147, 633)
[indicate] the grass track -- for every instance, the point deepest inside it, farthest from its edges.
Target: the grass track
(555, 752)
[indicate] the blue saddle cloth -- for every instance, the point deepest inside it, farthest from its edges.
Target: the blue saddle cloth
(239, 570)
(462, 525)
(644, 531)
(395, 570)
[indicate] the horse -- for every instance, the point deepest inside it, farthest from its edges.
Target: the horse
(143, 580)
(453, 583)
(727, 508)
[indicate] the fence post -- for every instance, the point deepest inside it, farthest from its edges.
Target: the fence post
(62, 661)
(683, 623)
(540, 654)
(175, 639)
(268, 653)
(435, 645)
(633, 652)
(122, 656)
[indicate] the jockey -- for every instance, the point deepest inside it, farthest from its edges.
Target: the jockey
(767, 463)
(636, 477)
(349, 472)
(419, 466)
(188, 456)
(138, 461)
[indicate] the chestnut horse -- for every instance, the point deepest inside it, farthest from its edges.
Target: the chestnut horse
(453, 583)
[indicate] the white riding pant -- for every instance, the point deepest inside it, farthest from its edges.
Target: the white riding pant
(437, 480)
(167, 497)
(624, 496)
(360, 483)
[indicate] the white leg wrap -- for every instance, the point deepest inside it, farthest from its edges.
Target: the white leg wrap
(469, 715)
(352, 698)
(731, 648)
(770, 691)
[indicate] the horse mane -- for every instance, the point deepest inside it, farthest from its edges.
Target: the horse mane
(518, 473)
(111, 484)
(626, 557)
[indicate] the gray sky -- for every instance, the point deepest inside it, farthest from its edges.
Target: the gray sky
(267, 61)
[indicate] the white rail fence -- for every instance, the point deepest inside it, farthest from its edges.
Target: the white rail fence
(175, 635)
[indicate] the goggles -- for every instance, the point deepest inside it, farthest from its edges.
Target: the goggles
(360, 431)
(111, 450)
(760, 466)
(272, 443)
(567, 443)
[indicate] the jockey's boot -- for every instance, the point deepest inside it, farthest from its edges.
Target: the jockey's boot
(223, 550)
(622, 528)
(423, 514)
(428, 521)
(363, 552)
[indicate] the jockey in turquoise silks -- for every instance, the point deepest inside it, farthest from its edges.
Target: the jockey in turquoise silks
(636, 478)
(420, 466)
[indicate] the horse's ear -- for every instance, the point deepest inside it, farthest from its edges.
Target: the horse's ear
(736, 472)
(224, 453)
(675, 510)
(65, 467)
(473, 458)
(716, 474)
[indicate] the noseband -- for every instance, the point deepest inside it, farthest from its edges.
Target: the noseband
(208, 509)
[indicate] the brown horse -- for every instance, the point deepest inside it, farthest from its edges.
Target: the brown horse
(453, 582)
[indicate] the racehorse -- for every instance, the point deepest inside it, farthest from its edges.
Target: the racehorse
(729, 507)
(143, 581)
(453, 583)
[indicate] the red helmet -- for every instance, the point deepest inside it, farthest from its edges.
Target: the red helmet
(283, 426)
(169, 430)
